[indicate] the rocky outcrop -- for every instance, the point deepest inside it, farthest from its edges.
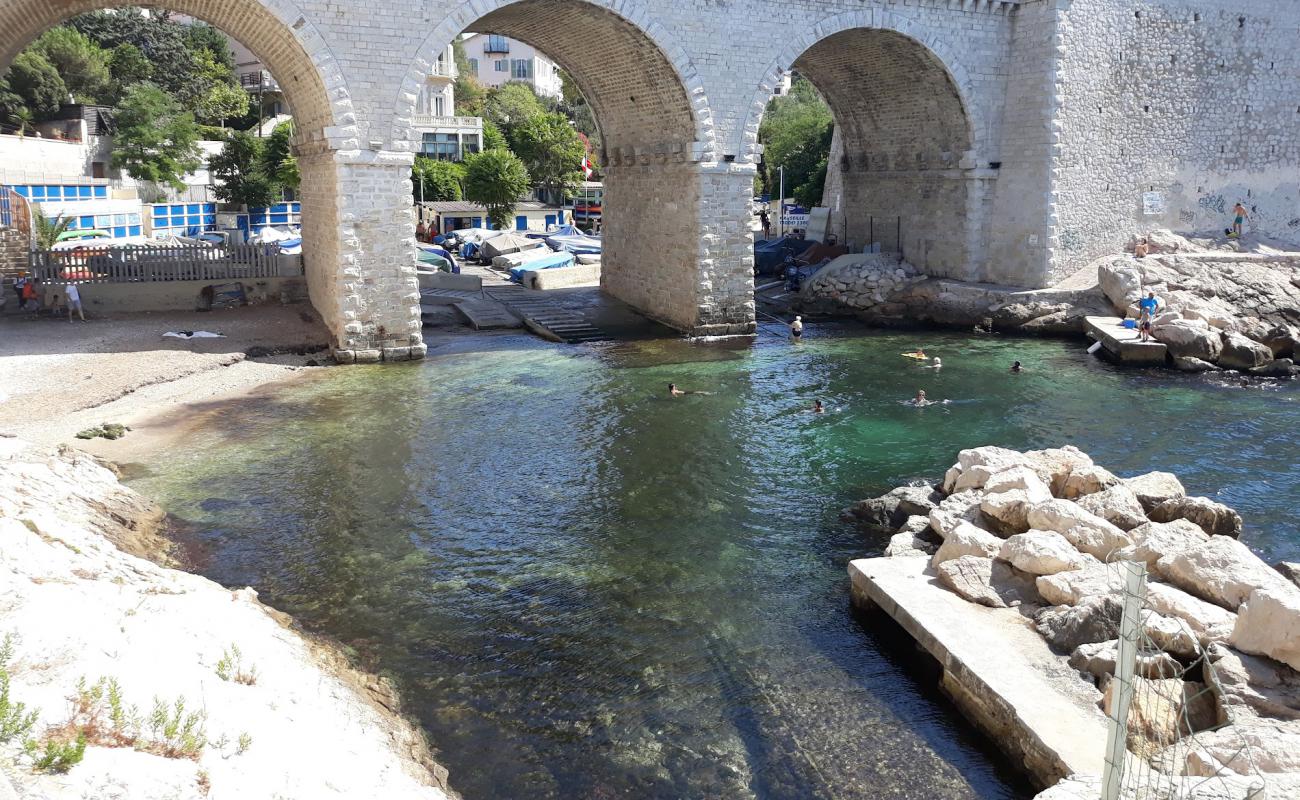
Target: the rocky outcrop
(893, 508)
(284, 716)
(1214, 518)
(1240, 352)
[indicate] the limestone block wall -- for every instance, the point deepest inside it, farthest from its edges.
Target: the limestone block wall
(1172, 111)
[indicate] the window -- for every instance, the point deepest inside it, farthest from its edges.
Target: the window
(441, 146)
(473, 66)
(521, 69)
(469, 143)
(496, 44)
(439, 105)
(96, 169)
(502, 65)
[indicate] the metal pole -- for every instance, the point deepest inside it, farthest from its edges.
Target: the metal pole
(780, 206)
(1134, 573)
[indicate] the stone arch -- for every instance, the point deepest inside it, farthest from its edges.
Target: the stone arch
(800, 42)
(566, 30)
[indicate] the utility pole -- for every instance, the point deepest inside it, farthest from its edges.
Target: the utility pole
(780, 205)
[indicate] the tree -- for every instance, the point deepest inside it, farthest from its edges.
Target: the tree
(493, 138)
(511, 104)
(551, 150)
(437, 180)
(239, 170)
(470, 96)
(796, 133)
(81, 63)
(221, 102)
(277, 160)
(48, 230)
(128, 66)
(32, 84)
(156, 140)
(162, 41)
(496, 179)
(203, 37)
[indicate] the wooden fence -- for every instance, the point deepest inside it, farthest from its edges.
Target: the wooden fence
(137, 263)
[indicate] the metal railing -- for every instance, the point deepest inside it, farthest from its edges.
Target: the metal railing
(141, 263)
(15, 212)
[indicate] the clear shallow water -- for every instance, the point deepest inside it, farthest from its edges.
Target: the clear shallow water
(589, 590)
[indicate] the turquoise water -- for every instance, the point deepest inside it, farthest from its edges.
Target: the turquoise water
(587, 589)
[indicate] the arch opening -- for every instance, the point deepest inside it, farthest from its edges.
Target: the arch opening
(900, 167)
(655, 135)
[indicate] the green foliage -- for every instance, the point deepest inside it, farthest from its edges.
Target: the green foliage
(177, 734)
(245, 742)
(278, 161)
(163, 40)
(106, 430)
(796, 133)
(127, 65)
(493, 138)
(231, 667)
(155, 139)
(58, 757)
(470, 95)
(239, 171)
(551, 150)
(201, 37)
(437, 180)
(496, 179)
(32, 84)
(221, 101)
(81, 63)
(511, 105)
(15, 720)
(47, 229)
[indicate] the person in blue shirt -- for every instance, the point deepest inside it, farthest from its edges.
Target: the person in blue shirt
(1148, 306)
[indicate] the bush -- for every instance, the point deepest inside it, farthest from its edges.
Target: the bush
(58, 756)
(15, 720)
(231, 667)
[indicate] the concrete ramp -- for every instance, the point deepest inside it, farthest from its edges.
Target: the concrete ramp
(996, 668)
(1125, 344)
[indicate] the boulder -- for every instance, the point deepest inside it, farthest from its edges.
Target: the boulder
(1042, 553)
(1163, 240)
(1207, 621)
(1087, 480)
(1171, 634)
(966, 540)
(1283, 340)
(1245, 747)
(1154, 488)
(1121, 282)
(1290, 570)
(954, 510)
(980, 463)
(1162, 711)
(1214, 518)
(1254, 686)
(892, 509)
(1279, 368)
(987, 582)
(908, 544)
(1221, 570)
(1186, 364)
(1155, 540)
(1073, 787)
(1190, 339)
(1098, 659)
(1240, 352)
(1073, 587)
(1268, 624)
(1096, 619)
(1117, 505)
(1022, 478)
(1085, 530)
(1055, 464)
(1008, 510)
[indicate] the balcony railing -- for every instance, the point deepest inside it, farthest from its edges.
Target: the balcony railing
(431, 121)
(443, 69)
(261, 79)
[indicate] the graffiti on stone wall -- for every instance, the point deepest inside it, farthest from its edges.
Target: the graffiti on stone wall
(1187, 216)
(1295, 223)
(1213, 202)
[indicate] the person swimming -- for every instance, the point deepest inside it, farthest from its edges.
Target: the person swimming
(817, 407)
(674, 391)
(918, 353)
(1015, 367)
(920, 399)
(938, 364)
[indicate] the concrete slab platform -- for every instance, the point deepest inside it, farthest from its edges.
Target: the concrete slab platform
(1125, 344)
(486, 314)
(996, 668)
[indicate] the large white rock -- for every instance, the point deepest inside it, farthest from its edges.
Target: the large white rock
(1171, 634)
(1221, 570)
(1155, 540)
(1086, 531)
(1117, 505)
(987, 582)
(1162, 711)
(1099, 659)
(1055, 464)
(1214, 518)
(1190, 338)
(1087, 480)
(1019, 477)
(1042, 553)
(1240, 352)
(979, 464)
(904, 544)
(966, 540)
(1250, 745)
(1253, 685)
(1073, 586)
(1268, 624)
(1121, 282)
(954, 510)
(1209, 622)
(1009, 509)
(1154, 488)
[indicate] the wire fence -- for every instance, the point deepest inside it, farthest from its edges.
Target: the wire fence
(1162, 701)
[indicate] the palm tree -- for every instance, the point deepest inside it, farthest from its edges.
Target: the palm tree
(48, 230)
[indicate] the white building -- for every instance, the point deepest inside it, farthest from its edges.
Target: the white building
(443, 135)
(495, 60)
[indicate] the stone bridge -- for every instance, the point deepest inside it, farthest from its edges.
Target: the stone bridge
(1009, 141)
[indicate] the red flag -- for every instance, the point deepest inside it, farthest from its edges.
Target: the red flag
(586, 167)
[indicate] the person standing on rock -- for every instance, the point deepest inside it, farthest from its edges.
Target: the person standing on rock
(1148, 306)
(1239, 215)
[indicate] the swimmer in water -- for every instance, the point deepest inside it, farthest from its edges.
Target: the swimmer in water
(1015, 367)
(817, 407)
(674, 391)
(920, 400)
(938, 364)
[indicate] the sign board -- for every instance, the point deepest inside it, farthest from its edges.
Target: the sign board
(1153, 204)
(818, 220)
(793, 216)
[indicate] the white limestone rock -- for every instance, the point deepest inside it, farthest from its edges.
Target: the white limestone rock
(1121, 282)
(1171, 634)
(987, 582)
(1153, 488)
(1055, 464)
(1117, 504)
(1247, 746)
(1254, 686)
(1155, 540)
(1221, 570)
(1009, 510)
(1209, 622)
(1019, 477)
(1188, 338)
(1268, 624)
(954, 510)
(1086, 531)
(1214, 518)
(1087, 480)
(1240, 352)
(1065, 628)
(966, 540)
(903, 545)
(1099, 658)
(1042, 553)
(1162, 711)
(1074, 586)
